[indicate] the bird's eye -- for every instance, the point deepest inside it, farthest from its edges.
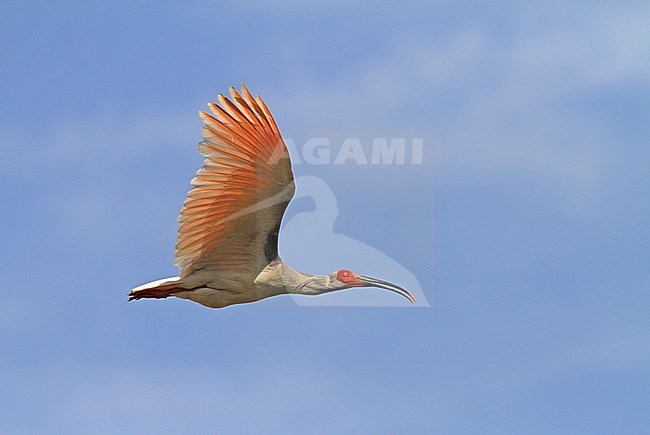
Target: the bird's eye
(344, 275)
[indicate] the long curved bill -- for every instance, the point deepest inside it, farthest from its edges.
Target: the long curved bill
(369, 281)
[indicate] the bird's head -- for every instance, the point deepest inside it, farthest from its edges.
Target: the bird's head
(344, 278)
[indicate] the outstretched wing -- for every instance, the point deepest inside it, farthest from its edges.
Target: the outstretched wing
(231, 217)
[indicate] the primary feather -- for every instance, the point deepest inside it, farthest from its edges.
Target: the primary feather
(231, 217)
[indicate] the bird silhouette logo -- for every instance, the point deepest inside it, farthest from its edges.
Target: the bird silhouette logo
(315, 228)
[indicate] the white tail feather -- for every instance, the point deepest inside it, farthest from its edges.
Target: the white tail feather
(157, 283)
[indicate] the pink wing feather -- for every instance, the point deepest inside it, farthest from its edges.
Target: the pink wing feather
(231, 217)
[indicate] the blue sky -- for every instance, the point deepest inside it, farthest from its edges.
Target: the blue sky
(526, 226)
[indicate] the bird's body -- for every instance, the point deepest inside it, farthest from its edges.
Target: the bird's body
(218, 290)
(227, 247)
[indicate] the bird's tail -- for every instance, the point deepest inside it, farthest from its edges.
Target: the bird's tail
(157, 289)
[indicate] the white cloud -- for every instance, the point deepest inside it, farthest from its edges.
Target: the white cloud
(95, 143)
(502, 97)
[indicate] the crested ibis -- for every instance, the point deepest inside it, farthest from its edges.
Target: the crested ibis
(227, 246)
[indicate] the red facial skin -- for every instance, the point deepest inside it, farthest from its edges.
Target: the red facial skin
(349, 278)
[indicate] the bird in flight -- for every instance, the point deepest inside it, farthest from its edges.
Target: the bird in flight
(227, 246)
